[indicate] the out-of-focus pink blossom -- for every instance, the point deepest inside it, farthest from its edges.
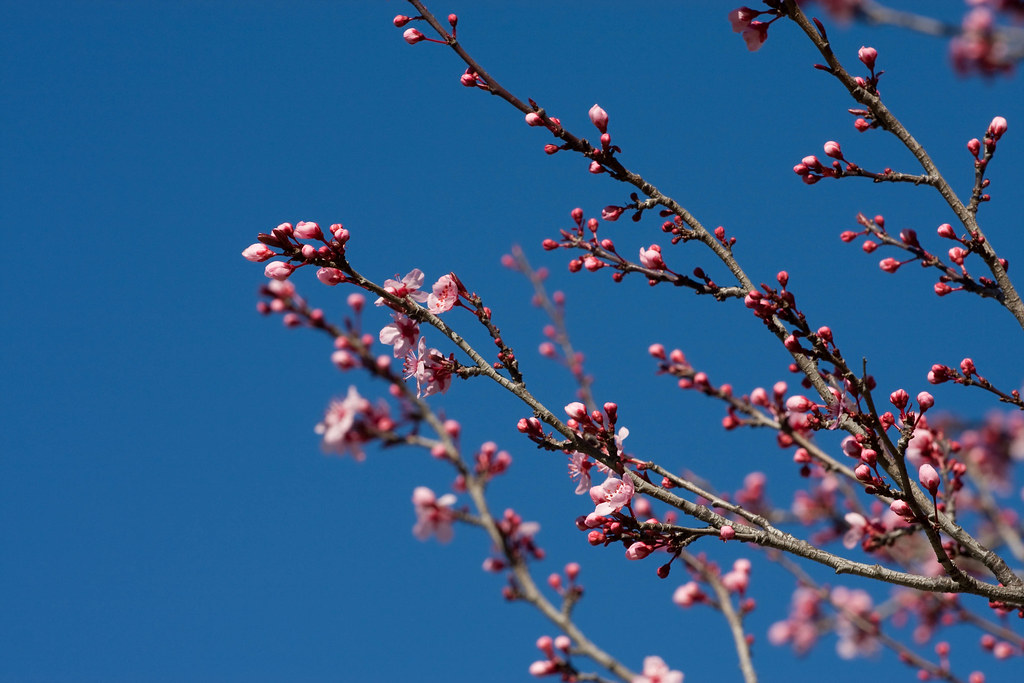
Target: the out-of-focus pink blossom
(740, 18)
(434, 515)
(337, 426)
(688, 594)
(657, 671)
(755, 34)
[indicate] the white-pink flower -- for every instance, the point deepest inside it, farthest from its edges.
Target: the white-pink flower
(612, 495)
(402, 334)
(657, 671)
(408, 286)
(444, 296)
(433, 515)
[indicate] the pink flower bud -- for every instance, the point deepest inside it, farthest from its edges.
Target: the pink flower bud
(596, 167)
(799, 404)
(868, 55)
(413, 36)
(599, 117)
(942, 289)
(657, 351)
(330, 276)
(848, 235)
(534, 119)
(306, 230)
(577, 411)
(638, 551)
(278, 270)
(833, 150)
(997, 127)
(861, 125)
(925, 400)
(727, 533)
(612, 213)
(946, 230)
(901, 508)
(899, 398)
(651, 258)
(967, 367)
(929, 478)
(974, 147)
(889, 265)
(257, 253)
(863, 473)
(401, 20)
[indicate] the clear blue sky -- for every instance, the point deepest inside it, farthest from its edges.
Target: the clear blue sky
(165, 511)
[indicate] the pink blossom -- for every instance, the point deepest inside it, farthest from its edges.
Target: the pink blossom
(278, 270)
(657, 671)
(402, 334)
(651, 258)
(433, 515)
(740, 18)
(858, 525)
(688, 594)
(433, 372)
(612, 495)
(599, 117)
(755, 34)
(579, 467)
(407, 286)
(336, 428)
(444, 296)
(258, 252)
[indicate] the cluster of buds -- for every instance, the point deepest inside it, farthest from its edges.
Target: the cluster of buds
(556, 660)
(286, 237)
(811, 170)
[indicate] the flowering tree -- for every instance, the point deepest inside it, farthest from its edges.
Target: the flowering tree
(890, 491)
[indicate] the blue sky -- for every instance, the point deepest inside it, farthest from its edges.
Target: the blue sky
(165, 511)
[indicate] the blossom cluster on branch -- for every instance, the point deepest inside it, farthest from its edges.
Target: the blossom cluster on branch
(895, 492)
